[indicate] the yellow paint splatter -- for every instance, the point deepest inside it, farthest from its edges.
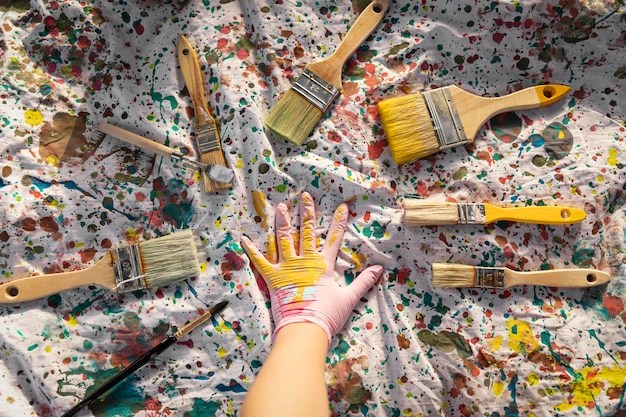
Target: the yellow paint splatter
(589, 383)
(72, 321)
(48, 349)
(612, 161)
(221, 352)
(260, 202)
(33, 117)
(495, 343)
(533, 379)
(498, 388)
(358, 259)
(521, 338)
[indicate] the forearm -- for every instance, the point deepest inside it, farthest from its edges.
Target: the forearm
(291, 382)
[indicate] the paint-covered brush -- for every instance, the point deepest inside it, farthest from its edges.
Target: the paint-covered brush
(431, 213)
(418, 125)
(148, 265)
(467, 276)
(205, 126)
(215, 172)
(298, 111)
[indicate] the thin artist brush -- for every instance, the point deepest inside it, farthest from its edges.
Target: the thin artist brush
(149, 264)
(298, 111)
(145, 358)
(431, 213)
(215, 172)
(459, 276)
(418, 125)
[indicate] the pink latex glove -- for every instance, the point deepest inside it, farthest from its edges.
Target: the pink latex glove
(302, 286)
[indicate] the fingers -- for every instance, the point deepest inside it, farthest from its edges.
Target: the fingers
(307, 224)
(335, 232)
(284, 234)
(365, 280)
(254, 254)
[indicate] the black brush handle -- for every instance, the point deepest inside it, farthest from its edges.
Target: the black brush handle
(144, 359)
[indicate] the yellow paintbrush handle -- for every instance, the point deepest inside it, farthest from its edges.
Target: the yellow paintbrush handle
(535, 214)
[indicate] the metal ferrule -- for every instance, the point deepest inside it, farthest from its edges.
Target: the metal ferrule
(217, 173)
(206, 138)
(127, 269)
(487, 277)
(471, 213)
(445, 119)
(317, 91)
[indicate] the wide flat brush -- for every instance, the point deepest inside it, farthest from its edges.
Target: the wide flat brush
(418, 125)
(145, 358)
(430, 213)
(205, 126)
(455, 275)
(217, 172)
(298, 111)
(149, 264)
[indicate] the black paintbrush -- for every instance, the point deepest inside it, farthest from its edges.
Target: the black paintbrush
(145, 358)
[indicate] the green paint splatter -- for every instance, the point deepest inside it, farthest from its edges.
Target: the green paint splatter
(446, 342)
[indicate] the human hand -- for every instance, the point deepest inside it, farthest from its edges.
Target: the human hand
(302, 286)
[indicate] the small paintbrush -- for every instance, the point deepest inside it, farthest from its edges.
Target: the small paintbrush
(418, 125)
(146, 265)
(145, 358)
(430, 213)
(298, 111)
(215, 172)
(459, 276)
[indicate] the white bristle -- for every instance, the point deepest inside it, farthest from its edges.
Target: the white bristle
(169, 258)
(453, 275)
(427, 213)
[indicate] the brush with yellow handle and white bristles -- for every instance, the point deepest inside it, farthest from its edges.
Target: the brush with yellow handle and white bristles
(418, 125)
(467, 276)
(418, 212)
(149, 264)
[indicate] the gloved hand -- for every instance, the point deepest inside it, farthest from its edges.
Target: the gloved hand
(302, 286)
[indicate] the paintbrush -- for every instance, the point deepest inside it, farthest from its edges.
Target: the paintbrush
(146, 265)
(145, 358)
(205, 127)
(428, 213)
(418, 125)
(299, 110)
(455, 275)
(217, 172)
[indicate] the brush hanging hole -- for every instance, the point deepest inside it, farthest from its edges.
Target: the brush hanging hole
(591, 278)
(549, 92)
(186, 52)
(12, 292)
(377, 8)
(565, 214)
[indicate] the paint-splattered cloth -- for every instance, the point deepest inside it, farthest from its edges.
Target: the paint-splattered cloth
(68, 195)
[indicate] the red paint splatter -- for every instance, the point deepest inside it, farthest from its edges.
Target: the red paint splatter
(376, 149)
(403, 274)
(497, 37)
(614, 306)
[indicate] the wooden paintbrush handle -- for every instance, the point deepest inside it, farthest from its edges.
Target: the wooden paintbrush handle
(134, 139)
(40, 286)
(535, 214)
(572, 278)
(364, 25)
(192, 75)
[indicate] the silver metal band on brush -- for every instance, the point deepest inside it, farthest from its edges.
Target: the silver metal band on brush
(487, 277)
(127, 268)
(206, 138)
(471, 213)
(445, 119)
(317, 91)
